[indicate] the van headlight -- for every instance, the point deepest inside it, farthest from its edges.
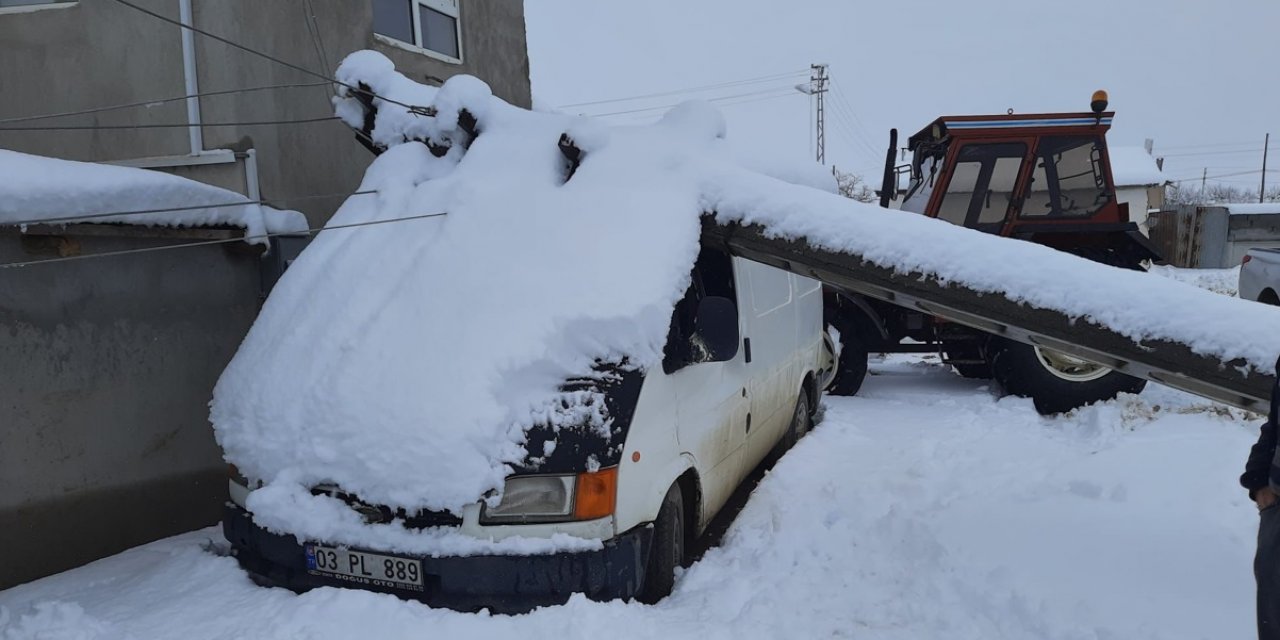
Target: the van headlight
(532, 499)
(554, 498)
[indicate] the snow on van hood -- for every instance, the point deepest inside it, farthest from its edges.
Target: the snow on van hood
(406, 361)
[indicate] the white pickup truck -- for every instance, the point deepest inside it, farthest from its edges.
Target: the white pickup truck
(1260, 276)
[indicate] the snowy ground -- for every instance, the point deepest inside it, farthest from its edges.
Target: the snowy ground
(925, 508)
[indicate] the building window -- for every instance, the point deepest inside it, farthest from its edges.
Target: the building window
(431, 25)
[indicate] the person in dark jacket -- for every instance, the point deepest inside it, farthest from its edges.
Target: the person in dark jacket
(1262, 479)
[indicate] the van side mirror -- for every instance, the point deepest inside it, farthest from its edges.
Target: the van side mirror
(716, 329)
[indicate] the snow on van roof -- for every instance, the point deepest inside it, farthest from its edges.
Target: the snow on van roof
(1134, 167)
(38, 188)
(405, 362)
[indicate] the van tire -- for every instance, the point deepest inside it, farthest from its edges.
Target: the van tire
(801, 422)
(666, 549)
(1020, 371)
(851, 368)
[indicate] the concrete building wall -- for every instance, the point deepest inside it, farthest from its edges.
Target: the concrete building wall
(94, 53)
(109, 365)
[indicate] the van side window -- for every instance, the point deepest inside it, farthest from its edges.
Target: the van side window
(712, 276)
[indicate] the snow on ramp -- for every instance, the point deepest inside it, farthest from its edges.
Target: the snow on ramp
(37, 188)
(405, 361)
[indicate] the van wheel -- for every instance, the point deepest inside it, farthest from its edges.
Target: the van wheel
(851, 369)
(801, 422)
(666, 550)
(1056, 381)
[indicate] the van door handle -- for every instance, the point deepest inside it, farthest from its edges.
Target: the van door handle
(746, 348)
(748, 423)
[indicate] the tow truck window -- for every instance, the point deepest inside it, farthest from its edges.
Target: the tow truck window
(982, 183)
(1068, 179)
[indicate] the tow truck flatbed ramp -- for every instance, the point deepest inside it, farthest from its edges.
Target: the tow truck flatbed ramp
(1170, 363)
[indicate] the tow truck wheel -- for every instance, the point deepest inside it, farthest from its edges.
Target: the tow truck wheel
(851, 366)
(666, 550)
(1055, 381)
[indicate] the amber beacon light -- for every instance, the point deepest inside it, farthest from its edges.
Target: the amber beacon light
(1099, 102)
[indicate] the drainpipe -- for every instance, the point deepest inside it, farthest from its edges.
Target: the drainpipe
(251, 175)
(189, 74)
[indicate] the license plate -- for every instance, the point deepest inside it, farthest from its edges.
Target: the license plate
(362, 567)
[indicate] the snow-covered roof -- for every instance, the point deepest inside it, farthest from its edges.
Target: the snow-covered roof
(37, 188)
(1247, 208)
(1134, 167)
(406, 361)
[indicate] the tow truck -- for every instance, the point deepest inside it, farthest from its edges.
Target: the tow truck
(1043, 178)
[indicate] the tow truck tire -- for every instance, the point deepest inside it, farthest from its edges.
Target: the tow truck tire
(666, 550)
(1022, 370)
(851, 369)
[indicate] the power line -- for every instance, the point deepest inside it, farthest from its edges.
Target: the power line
(1210, 145)
(1212, 153)
(688, 90)
(205, 243)
(735, 103)
(1225, 175)
(843, 103)
(417, 110)
(94, 127)
(717, 99)
(136, 212)
(148, 103)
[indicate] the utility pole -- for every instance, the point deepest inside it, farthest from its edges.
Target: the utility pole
(819, 79)
(1203, 177)
(817, 88)
(1262, 190)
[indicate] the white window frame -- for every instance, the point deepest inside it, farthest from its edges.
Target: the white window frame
(451, 8)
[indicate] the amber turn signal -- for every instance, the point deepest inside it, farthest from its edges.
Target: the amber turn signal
(596, 494)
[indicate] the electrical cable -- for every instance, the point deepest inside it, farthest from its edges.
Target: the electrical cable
(688, 90)
(418, 110)
(716, 99)
(205, 243)
(95, 127)
(136, 212)
(148, 103)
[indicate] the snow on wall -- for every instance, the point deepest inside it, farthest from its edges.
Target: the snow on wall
(404, 362)
(39, 188)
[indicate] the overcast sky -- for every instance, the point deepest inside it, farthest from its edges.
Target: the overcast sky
(1200, 78)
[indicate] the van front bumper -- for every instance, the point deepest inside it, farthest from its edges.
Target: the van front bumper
(502, 583)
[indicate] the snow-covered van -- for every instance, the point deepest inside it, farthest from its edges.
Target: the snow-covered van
(611, 513)
(511, 368)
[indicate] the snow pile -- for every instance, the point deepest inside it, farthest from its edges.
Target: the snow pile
(926, 508)
(37, 188)
(404, 362)
(1223, 281)
(1134, 167)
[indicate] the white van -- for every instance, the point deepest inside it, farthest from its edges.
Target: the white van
(745, 363)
